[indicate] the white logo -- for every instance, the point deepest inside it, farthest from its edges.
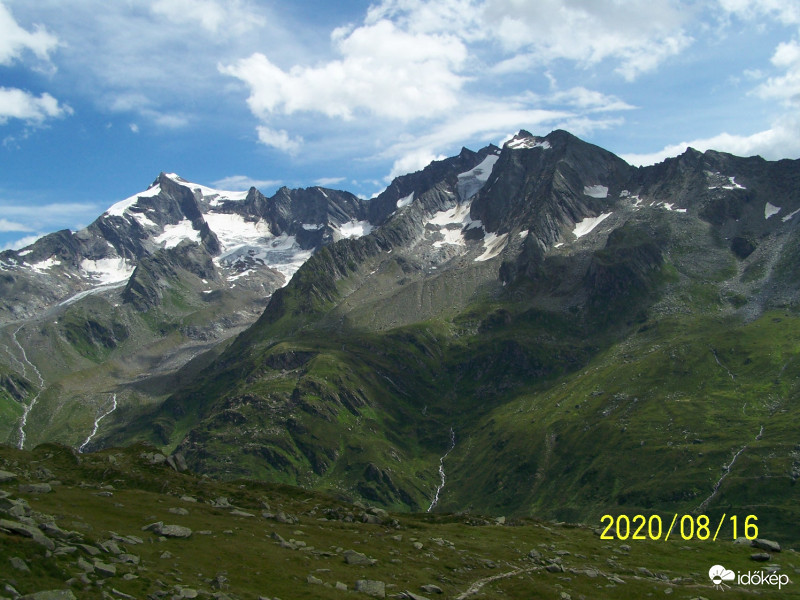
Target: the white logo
(720, 574)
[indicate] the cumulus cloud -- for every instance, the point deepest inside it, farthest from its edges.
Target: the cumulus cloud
(413, 161)
(383, 71)
(19, 104)
(22, 242)
(6, 225)
(782, 139)
(14, 40)
(326, 181)
(279, 139)
(243, 182)
(221, 18)
(638, 34)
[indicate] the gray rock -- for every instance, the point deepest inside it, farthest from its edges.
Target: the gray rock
(371, 587)
(111, 547)
(188, 593)
(535, 555)
(767, 545)
(340, 586)
(175, 531)
(188, 499)
(119, 594)
(85, 565)
(90, 550)
(35, 488)
(27, 531)
(407, 595)
(50, 595)
(240, 513)
(554, 568)
(129, 558)
(351, 557)
(282, 517)
(417, 545)
(7, 476)
(104, 569)
(177, 462)
(314, 580)
(760, 557)
(19, 564)
(371, 519)
(430, 588)
(178, 511)
(221, 502)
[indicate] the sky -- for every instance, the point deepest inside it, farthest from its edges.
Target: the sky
(98, 97)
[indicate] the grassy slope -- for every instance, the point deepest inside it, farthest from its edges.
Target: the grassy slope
(458, 553)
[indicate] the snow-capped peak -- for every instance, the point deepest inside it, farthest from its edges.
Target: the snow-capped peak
(526, 140)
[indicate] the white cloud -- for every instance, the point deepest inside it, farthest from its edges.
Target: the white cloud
(785, 87)
(134, 127)
(782, 139)
(14, 40)
(243, 182)
(19, 104)
(279, 139)
(22, 242)
(411, 162)
(326, 181)
(6, 225)
(638, 34)
(383, 71)
(786, 11)
(232, 17)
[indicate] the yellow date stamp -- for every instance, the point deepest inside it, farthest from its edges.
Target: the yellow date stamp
(686, 527)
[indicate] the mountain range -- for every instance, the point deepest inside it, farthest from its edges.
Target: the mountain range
(535, 330)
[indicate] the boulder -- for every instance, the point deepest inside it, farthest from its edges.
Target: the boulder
(50, 595)
(767, 545)
(351, 557)
(371, 587)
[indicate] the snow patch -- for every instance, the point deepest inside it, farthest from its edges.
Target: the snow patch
(142, 219)
(355, 229)
(46, 264)
(595, 191)
(281, 253)
(523, 143)
(470, 182)
(588, 224)
(107, 270)
(313, 226)
(215, 197)
(454, 237)
(524, 234)
(770, 210)
(405, 201)
(790, 215)
(175, 234)
(234, 230)
(493, 245)
(118, 209)
(733, 185)
(671, 207)
(453, 216)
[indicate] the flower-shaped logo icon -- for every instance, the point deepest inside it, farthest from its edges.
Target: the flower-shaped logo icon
(719, 574)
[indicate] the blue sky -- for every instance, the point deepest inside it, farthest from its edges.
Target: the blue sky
(98, 97)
